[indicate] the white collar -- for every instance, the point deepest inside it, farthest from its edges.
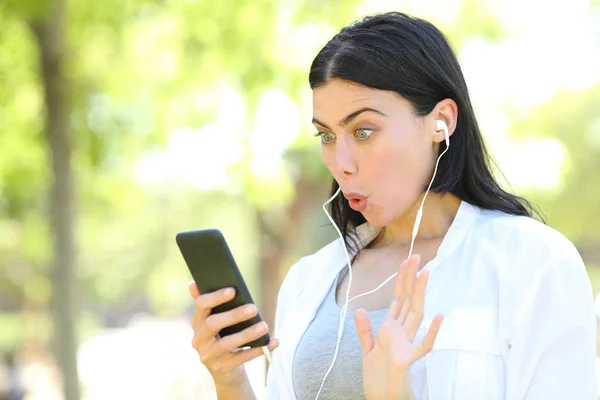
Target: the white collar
(463, 220)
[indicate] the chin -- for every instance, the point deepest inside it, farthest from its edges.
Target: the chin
(377, 219)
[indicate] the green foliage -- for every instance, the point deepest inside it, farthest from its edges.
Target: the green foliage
(22, 165)
(11, 331)
(571, 117)
(476, 19)
(28, 10)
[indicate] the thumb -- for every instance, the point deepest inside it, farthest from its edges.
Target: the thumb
(364, 330)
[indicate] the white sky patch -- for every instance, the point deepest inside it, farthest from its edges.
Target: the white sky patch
(231, 113)
(276, 125)
(200, 158)
(532, 163)
(192, 158)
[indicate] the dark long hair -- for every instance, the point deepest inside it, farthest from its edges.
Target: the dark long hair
(410, 56)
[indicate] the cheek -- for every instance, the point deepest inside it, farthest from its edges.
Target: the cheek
(394, 168)
(328, 160)
(397, 177)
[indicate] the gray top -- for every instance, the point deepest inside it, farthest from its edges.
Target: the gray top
(316, 349)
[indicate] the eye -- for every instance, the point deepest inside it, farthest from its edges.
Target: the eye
(363, 133)
(326, 137)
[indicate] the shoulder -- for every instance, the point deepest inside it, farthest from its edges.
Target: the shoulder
(299, 277)
(534, 265)
(306, 270)
(527, 258)
(299, 273)
(329, 257)
(524, 238)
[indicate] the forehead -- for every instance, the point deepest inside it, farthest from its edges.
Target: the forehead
(339, 98)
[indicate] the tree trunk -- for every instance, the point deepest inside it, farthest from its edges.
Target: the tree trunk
(50, 36)
(277, 242)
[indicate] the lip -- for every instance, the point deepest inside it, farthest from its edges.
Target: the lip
(354, 195)
(358, 202)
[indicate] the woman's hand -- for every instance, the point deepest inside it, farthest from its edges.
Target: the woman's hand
(388, 357)
(225, 366)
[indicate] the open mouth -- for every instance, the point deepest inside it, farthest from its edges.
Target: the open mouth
(359, 205)
(357, 201)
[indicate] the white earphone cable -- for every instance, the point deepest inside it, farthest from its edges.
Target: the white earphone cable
(344, 310)
(414, 235)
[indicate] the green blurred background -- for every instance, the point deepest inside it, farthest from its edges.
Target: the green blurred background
(125, 122)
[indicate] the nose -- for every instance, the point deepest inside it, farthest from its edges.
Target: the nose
(344, 159)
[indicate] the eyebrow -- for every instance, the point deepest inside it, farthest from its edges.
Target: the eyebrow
(346, 120)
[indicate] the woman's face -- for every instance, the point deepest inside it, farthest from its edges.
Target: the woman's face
(374, 146)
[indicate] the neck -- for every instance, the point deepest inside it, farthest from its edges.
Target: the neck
(438, 214)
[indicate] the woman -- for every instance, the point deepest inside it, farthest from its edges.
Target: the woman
(494, 304)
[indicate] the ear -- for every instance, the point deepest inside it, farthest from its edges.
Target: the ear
(446, 110)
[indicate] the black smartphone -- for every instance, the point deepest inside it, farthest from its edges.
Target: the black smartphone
(213, 267)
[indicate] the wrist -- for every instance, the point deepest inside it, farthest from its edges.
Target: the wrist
(234, 386)
(400, 388)
(235, 378)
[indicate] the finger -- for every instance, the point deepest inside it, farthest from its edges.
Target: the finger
(237, 340)
(198, 318)
(412, 324)
(214, 323)
(206, 302)
(395, 308)
(427, 343)
(216, 298)
(411, 275)
(418, 299)
(364, 330)
(194, 290)
(238, 358)
(400, 291)
(273, 344)
(404, 310)
(203, 345)
(415, 316)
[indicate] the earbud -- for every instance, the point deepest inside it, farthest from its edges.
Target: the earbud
(441, 126)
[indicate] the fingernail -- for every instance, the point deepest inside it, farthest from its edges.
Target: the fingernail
(250, 310)
(418, 258)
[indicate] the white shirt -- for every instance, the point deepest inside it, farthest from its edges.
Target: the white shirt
(519, 320)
